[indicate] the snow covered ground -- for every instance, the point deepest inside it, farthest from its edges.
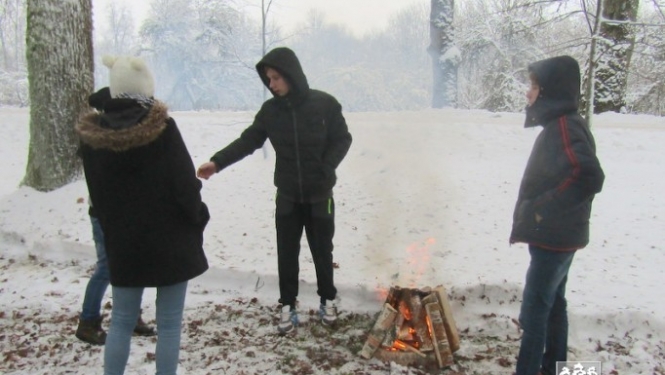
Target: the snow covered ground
(423, 199)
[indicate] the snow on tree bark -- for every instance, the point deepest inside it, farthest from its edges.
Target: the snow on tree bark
(444, 53)
(615, 48)
(60, 75)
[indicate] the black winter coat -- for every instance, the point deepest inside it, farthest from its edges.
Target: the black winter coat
(306, 128)
(143, 186)
(563, 173)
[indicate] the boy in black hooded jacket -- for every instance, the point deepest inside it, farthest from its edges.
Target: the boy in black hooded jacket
(310, 137)
(553, 208)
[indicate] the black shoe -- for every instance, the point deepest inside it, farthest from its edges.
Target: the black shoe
(142, 329)
(91, 331)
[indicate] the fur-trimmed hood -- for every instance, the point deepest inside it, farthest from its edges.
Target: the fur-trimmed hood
(124, 125)
(147, 198)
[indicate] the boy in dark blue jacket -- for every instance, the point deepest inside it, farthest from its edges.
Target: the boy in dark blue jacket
(553, 208)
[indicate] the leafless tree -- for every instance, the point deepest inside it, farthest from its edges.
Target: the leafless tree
(445, 54)
(13, 74)
(613, 53)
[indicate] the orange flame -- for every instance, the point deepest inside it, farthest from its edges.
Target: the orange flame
(419, 259)
(382, 293)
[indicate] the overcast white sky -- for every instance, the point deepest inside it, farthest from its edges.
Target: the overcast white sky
(359, 16)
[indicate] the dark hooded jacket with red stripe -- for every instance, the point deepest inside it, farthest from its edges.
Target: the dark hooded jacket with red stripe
(563, 173)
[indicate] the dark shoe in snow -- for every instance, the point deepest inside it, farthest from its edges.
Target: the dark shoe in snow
(142, 329)
(91, 331)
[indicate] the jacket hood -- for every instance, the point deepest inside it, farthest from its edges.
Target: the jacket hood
(287, 64)
(99, 99)
(114, 129)
(559, 81)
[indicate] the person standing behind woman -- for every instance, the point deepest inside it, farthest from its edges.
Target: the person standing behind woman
(142, 182)
(553, 209)
(310, 137)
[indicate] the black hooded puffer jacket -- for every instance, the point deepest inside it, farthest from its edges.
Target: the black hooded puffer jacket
(306, 128)
(563, 173)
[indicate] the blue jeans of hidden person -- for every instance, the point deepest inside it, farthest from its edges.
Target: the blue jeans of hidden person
(170, 302)
(99, 281)
(543, 315)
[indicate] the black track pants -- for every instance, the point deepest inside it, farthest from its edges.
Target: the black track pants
(318, 220)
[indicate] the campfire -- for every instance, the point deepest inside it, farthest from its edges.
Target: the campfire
(415, 327)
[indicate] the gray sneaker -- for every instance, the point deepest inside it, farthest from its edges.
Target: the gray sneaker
(288, 320)
(328, 313)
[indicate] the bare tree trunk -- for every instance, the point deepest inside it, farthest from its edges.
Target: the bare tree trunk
(587, 102)
(60, 75)
(12, 34)
(614, 51)
(19, 34)
(4, 20)
(265, 9)
(264, 19)
(444, 53)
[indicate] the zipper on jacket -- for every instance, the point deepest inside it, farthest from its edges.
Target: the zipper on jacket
(298, 166)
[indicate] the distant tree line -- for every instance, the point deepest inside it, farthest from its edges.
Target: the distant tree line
(203, 53)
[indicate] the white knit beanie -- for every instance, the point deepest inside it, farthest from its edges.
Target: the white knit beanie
(129, 75)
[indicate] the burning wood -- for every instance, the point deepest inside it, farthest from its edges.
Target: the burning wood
(419, 323)
(414, 321)
(438, 331)
(406, 347)
(448, 321)
(383, 323)
(391, 333)
(394, 295)
(406, 333)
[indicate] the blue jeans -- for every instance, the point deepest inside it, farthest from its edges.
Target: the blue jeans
(126, 308)
(543, 315)
(99, 281)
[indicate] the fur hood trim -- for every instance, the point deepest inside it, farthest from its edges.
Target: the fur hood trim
(147, 130)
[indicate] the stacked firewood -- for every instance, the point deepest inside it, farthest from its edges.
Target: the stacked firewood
(415, 326)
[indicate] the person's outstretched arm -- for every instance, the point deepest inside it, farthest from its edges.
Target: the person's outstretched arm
(250, 140)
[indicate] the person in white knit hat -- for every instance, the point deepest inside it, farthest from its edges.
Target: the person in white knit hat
(143, 185)
(129, 76)
(89, 327)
